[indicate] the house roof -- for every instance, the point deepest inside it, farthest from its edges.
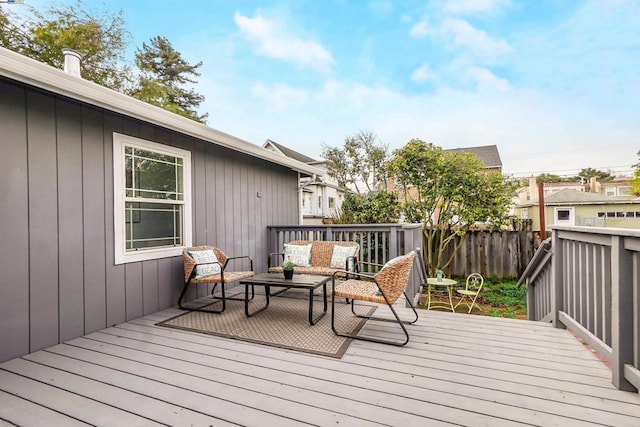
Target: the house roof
(286, 151)
(37, 74)
(569, 196)
(487, 153)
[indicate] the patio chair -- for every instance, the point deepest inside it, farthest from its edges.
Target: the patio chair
(384, 287)
(471, 291)
(209, 265)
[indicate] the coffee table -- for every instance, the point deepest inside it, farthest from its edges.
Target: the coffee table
(299, 281)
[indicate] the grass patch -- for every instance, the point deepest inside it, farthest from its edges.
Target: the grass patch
(498, 298)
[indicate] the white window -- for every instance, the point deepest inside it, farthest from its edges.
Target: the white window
(564, 216)
(610, 191)
(152, 199)
(332, 203)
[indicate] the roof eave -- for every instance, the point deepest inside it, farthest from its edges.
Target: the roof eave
(33, 73)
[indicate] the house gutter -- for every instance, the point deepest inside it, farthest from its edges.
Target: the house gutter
(33, 73)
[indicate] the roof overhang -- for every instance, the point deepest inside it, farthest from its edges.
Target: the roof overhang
(33, 73)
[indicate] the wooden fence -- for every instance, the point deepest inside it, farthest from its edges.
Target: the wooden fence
(500, 254)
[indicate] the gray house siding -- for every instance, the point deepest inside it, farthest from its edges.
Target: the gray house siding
(58, 279)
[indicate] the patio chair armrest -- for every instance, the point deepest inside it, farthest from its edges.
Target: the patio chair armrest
(271, 255)
(372, 263)
(239, 257)
(351, 274)
(356, 263)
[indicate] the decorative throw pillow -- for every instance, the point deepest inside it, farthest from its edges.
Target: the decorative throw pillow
(298, 254)
(207, 261)
(340, 255)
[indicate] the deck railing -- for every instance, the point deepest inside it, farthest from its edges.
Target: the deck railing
(588, 280)
(378, 242)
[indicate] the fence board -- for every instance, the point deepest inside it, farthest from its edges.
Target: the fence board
(501, 254)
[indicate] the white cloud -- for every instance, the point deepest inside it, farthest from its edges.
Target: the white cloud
(485, 81)
(464, 34)
(474, 6)
(331, 91)
(272, 40)
(279, 96)
(422, 74)
(422, 29)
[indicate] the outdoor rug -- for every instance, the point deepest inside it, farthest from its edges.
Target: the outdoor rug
(284, 324)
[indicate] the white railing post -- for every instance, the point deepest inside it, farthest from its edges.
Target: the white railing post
(557, 277)
(622, 312)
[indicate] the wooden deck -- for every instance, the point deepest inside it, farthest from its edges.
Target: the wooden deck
(456, 370)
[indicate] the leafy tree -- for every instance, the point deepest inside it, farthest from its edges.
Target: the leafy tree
(547, 177)
(163, 75)
(360, 165)
(635, 186)
(378, 207)
(587, 173)
(101, 39)
(449, 193)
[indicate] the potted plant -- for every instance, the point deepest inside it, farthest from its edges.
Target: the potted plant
(439, 274)
(287, 268)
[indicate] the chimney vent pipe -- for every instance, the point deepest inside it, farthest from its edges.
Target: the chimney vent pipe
(71, 62)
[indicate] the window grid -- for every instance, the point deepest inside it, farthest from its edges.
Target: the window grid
(152, 213)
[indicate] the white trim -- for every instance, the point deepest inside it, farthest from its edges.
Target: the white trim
(31, 72)
(572, 216)
(121, 256)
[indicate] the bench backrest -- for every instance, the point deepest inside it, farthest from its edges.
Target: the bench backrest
(321, 250)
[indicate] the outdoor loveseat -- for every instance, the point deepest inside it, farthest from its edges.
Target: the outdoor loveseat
(317, 257)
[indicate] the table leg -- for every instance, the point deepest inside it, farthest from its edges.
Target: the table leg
(246, 300)
(313, 321)
(450, 290)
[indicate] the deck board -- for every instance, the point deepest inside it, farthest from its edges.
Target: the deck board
(456, 370)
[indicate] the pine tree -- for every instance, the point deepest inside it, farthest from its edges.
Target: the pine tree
(164, 73)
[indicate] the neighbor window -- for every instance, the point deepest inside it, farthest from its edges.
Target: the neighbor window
(563, 215)
(152, 199)
(332, 203)
(320, 202)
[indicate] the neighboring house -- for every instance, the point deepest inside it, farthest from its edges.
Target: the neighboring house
(488, 154)
(572, 207)
(101, 193)
(617, 187)
(530, 192)
(320, 197)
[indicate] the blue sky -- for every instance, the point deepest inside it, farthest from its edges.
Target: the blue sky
(555, 84)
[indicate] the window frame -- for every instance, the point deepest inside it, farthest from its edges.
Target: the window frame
(121, 256)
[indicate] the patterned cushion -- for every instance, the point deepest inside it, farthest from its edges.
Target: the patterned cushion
(298, 254)
(210, 265)
(340, 255)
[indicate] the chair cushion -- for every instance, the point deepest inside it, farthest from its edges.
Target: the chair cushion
(207, 261)
(340, 255)
(298, 254)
